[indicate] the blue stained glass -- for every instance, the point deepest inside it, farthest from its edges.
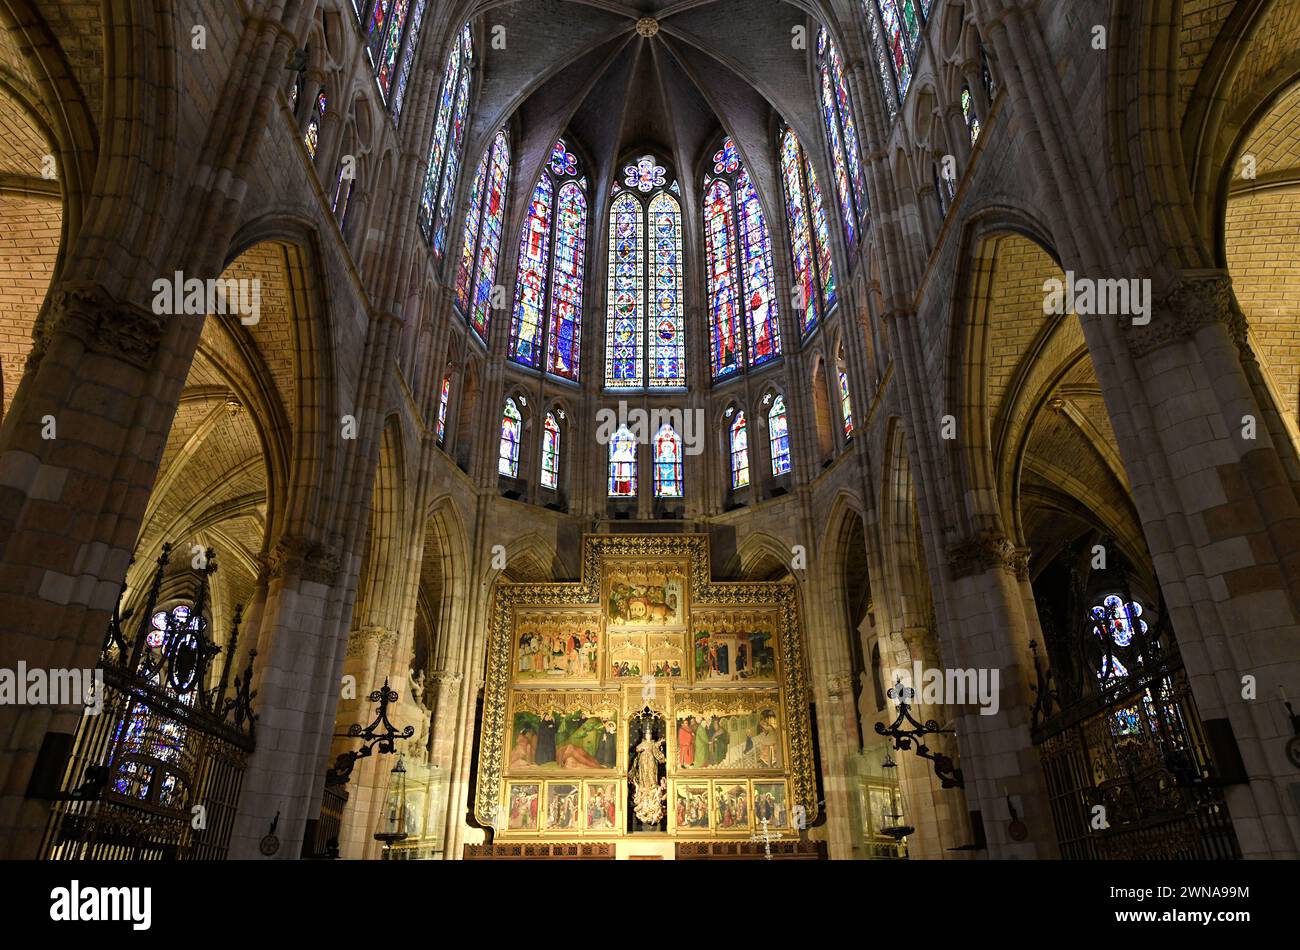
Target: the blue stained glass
(667, 337)
(386, 63)
(623, 354)
(511, 432)
(622, 464)
(779, 437)
(720, 258)
(801, 249)
(738, 438)
(646, 175)
(727, 159)
(530, 289)
(567, 282)
(839, 164)
(763, 332)
(453, 165)
(563, 162)
(474, 217)
(668, 464)
(852, 151)
(408, 58)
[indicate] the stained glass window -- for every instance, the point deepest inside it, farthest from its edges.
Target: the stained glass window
(846, 404)
(622, 464)
(668, 463)
(1116, 622)
(645, 325)
(312, 136)
(408, 58)
(481, 249)
(778, 434)
(968, 110)
(810, 253)
(392, 35)
(743, 328)
(884, 62)
(438, 193)
(551, 452)
(444, 396)
(902, 21)
(512, 425)
(530, 289)
(841, 136)
(548, 292)
(738, 440)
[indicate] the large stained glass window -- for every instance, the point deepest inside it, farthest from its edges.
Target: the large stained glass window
(476, 274)
(738, 445)
(512, 428)
(743, 328)
(392, 34)
(622, 464)
(810, 252)
(551, 452)
(902, 22)
(841, 136)
(552, 255)
(645, 330)
(668, 463)
(444, 396)
(778, 433)
(438, 193)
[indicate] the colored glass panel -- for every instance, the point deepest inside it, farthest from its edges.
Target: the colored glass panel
(667, 331)
(550, 453)
(720, 258)
(390, 47)
(779, 437)
(511, 432)
(801, 249)
(668, 464)
(444, 396)
(623, 343)
(485, 267)
(622, 464)
(839, 165)
(408, 58)
(474, 216)
(739, 445)
(565, 342)
(758, 280)
(530, 289)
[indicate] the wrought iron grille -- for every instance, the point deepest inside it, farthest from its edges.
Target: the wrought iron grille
(1116, 726)
(156, 774)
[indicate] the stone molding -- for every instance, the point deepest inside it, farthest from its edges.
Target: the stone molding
(301, 557)
(102, 322)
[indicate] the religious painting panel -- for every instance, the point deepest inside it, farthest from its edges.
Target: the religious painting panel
(728, 730)
(627, 656)
(555, 646)
(731, 807)
(600, 806)
(691, 810)
(731, 646)
(882, 807)
(562, 806)
(563, 731)
(523, 806)
(640, 594)
(667, 656)
(771, 802)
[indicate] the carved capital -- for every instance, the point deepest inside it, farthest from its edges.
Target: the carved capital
(839, 685)
(301, 557)
(103, 323)
(446, 676)
(1197, 301)
(361, 638)
(984, 551)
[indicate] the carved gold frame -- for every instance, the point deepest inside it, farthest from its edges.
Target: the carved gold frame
(702, 592)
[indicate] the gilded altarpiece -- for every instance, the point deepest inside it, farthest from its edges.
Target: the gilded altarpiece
(571, 666)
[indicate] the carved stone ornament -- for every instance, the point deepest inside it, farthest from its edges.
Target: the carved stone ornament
(361, 638)
(1195, 303)
(647, 26)
(984, 551)
(839, 685)
(310, 560)
(101, 321)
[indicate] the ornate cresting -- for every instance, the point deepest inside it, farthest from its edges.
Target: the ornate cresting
(156, 772)
(585, 597)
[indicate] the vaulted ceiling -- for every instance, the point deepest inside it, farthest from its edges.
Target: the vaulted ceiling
(620, 85)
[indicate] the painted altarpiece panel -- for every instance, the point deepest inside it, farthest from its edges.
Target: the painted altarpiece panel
(571, 665)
